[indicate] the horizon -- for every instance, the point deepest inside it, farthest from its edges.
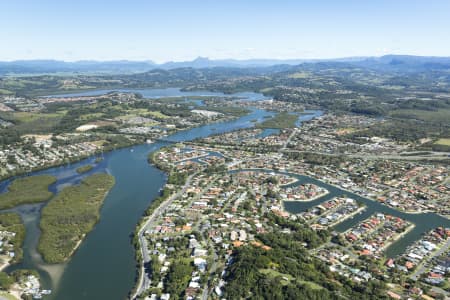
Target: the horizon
(150, 61)
(150, 30)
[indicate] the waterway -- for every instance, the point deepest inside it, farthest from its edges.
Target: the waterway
(422, 222)
(168, 92)
(104, 267)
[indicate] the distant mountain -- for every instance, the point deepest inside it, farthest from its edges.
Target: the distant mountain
(204, 62)
(55, 66)
(406, 63)
(387, 62)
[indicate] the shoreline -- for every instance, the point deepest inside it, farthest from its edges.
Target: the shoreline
(83, 236)
(359, 210)
(4, 265)
(75, 248)
(56, 165)
(398, 237)
(309, 199)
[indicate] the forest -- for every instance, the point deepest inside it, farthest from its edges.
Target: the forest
(70, 215)
(288, 271)
(27, 190)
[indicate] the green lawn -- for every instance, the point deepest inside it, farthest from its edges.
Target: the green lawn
(27, 190)
(273, 273)
(286, 278)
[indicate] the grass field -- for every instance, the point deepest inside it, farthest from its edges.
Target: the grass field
(156, 114)
(438, 116)
(25, 117)
(130, 113)
(88, 117)
(70, 215)
(300, 75)
(273, 273)
(5, 92)
(31, 122)
(5, 295)
(27, 190)
(286, 278)
(444, 142)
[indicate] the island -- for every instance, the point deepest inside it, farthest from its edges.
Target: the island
(84, 169)
(69, 216)
(27, 190)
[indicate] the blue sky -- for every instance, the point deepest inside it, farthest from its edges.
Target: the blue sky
(177, 30)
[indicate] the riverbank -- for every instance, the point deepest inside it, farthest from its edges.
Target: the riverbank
(351, 215)
(4, 265)
(75, 248)
(137, 185)
(23, 173)
(155, 209)
(310, 199)
(398, 237)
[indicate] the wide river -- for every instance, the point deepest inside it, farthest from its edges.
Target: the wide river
(104, 267)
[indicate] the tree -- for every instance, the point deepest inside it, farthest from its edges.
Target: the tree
(5, 281)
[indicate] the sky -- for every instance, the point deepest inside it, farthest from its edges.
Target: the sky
(178, 30)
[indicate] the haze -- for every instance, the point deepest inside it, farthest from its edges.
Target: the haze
(182, 30)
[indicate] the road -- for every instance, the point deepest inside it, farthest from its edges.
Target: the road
(213, 269)
(422, 268)
(294, 131)
(397, 156)
(144, 281)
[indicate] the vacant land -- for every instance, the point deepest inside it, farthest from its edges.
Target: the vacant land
(27, 190)
(280, 121)
(33, 122)
(71, 215)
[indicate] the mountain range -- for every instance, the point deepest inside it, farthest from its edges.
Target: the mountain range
(391, 62)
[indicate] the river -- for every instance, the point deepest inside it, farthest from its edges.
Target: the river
(104, 267)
